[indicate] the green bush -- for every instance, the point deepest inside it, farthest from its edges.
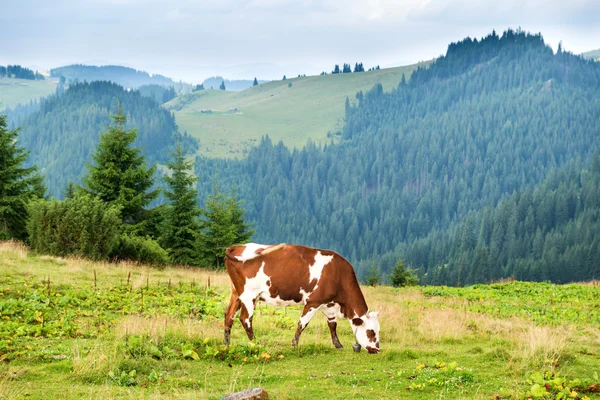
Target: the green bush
(402, 276)
(140, 249)
(83, 226)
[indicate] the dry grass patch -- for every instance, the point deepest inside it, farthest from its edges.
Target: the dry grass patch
(99, 359)
(158, 327)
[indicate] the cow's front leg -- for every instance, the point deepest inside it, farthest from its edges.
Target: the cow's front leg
(246, 317)
(307, 314)
(330, 313)
(232, 309)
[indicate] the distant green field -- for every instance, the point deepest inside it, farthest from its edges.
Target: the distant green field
(594, 54)
(295, 110)
(22, 91)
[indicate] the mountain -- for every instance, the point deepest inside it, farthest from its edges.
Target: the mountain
(124, 76)
(489, 118)
(64, 131)
(295, 110)
(231, 85)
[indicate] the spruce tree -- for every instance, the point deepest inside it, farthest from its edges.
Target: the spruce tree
(217, 231)
(255, 83)
(119, 176)
(182, 223)
(373, 278)
(241, 229)
(18, 184)
(222, 87)
(401, 276)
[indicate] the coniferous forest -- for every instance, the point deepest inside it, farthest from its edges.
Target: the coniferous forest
(64, 130)
(477, 168)
(482, 166)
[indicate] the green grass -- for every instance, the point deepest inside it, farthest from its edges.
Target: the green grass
(22, 91)
(76, 329)
(311, 108)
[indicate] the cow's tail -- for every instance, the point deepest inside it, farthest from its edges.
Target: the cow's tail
(258, 253)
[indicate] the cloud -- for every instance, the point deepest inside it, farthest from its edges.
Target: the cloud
(190, 39)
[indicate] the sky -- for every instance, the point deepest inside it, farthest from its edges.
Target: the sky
(191, 40)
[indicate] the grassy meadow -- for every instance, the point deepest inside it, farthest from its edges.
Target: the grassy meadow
(22, 91)
(292, 110)
(71, 328)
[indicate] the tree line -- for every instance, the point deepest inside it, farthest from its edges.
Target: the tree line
(19, 72)
(110, 215)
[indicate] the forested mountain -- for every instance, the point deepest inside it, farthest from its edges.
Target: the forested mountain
(549, 233)
(593, 55)
(124, 76)
(66, 128)
(233, 85)
(491, 117)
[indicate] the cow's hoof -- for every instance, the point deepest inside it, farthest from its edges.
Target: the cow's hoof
(338, 345)
(356, 347)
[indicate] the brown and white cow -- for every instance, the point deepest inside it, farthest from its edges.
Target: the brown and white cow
(287, 274)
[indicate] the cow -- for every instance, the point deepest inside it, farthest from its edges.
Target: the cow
(284, 275)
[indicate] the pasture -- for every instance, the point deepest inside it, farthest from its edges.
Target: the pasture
(71, 328)
(22, 91)
(294, 110)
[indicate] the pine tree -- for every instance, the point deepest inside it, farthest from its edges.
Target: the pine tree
(17, 184)
(120, 177)
(255, 83)
(402, 276)
(373, 278)
(182, 223)
(242, 231)
(217, 232)
(222, 87)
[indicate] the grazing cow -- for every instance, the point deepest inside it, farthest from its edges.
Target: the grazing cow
(287, 274)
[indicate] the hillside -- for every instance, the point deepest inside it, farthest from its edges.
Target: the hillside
(22, 91)
(491, 117)
(64, 132)
(124, 76)
(72, 328)
(230, 85)
(593, 55)
(310, 108)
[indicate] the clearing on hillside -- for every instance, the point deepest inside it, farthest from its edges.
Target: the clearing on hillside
(292, 110)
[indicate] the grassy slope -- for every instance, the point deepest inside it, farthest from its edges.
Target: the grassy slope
(593, 54)
(421, 329)
(311, 108)
(22, 91)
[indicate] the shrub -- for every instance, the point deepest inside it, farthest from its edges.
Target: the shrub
(83, 226)
(140, 249)
(402, 276)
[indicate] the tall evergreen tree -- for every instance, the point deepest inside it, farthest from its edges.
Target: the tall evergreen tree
(217, 231)
(120, 177)
(255, 83)
(241, 229)
(17, 184)
(182, 223)
(222, 87)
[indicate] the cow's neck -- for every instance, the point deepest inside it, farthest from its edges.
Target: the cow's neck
(351, 299)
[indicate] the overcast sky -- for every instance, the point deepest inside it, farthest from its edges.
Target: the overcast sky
(191, 40)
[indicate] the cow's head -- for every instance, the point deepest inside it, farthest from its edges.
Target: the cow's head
(366, 331)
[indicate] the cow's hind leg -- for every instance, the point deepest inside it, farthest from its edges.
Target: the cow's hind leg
(246, 317)
(330, 313)
(307, 314)
(232, 309)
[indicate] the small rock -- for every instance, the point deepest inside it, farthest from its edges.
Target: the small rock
(250, 394)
